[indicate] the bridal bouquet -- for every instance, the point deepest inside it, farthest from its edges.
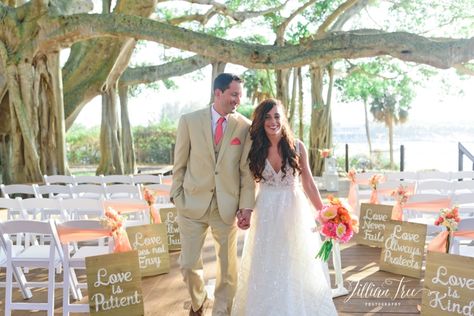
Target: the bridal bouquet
(150, 198)
(337, 225)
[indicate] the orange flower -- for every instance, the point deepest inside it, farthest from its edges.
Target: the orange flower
(325, 153)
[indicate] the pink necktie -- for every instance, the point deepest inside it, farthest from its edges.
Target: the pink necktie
(219, 130)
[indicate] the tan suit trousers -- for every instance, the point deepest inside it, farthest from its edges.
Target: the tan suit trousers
(193, 234)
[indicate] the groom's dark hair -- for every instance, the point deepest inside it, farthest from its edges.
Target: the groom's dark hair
(223, 81)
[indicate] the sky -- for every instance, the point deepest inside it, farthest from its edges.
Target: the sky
(432, 104)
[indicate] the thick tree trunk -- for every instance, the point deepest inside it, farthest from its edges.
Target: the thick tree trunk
(111, 161)
(282, 79)
(34, 92)
(292, 104)
(128, 148)
(321, 123)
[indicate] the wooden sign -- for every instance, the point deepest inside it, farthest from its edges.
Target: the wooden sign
(449, 285)
(151, 242)
(114, 284)
(373, 218)
(168, 217)
(403, 248)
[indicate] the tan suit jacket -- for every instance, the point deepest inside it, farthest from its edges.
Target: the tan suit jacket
(197, 172)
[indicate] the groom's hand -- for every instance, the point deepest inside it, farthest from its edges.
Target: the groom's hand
(243, 218)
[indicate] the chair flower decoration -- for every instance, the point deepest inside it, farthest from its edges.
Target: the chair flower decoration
(325, 152)
(150, 197)
(401, 197)
(400, 194)
(352, 196)
(351, 175)
(113, 221)
(448, 217)
(337, 224)
(373, 182)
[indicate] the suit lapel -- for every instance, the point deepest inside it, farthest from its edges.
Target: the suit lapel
(206, 123)
(229, 131)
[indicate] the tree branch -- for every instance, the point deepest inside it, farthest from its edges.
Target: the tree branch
(282, 27)
(323, 28)
(148, 74)
(440, 53)
(238, 16)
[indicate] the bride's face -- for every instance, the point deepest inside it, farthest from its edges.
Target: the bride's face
(273, 121)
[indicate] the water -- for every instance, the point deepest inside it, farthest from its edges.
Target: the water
(426, 148)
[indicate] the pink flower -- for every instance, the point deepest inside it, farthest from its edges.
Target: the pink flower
(341, 230)
(328, 212)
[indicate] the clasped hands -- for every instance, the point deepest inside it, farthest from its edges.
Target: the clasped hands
(243, 218)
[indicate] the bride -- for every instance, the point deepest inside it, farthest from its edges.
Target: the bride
(279, 274)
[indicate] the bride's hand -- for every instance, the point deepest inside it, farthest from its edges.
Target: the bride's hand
(243, 218)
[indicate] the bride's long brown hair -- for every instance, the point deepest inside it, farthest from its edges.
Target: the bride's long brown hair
(260, 142)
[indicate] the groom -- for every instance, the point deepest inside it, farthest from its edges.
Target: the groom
(212, 185)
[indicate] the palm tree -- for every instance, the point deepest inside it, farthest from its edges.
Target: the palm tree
(389, 109)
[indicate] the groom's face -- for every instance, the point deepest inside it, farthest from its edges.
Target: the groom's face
(227, 101)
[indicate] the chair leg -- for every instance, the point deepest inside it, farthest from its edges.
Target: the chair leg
(20, 278)
(9, 288)
(51, 283)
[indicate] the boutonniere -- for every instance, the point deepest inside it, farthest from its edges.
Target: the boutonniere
(235, 141)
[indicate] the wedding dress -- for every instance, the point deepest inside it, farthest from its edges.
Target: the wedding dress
(279, 274)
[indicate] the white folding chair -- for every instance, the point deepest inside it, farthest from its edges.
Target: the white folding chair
(89, 179)
(146, 179)
(401, 176)
(78, 232)
(122, 191)
(82, 208)
(46, 208)
(13, 208)
(54, 191)
(460, 187)
(43, 256)
(424, 209)
(466, 199)
(467, 175)
(59, 179)
(462, 245)
(117, 179)
(434, 175)
(89, 191)
(465, 204)
(435, 186)
(18, 190)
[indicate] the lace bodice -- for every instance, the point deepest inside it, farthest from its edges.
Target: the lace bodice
(278, 179)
